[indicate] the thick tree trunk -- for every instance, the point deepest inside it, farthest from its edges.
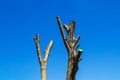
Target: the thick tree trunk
(43, 70)
(72, 67)
(70, 75)
(70, 44)
(42, 61)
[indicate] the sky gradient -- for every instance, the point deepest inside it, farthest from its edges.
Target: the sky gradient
(97, 22)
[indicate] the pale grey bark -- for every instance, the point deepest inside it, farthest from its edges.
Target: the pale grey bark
(71, 46)
(43, 61)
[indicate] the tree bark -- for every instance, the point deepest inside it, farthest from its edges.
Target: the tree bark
(43, 61)
(71, 46)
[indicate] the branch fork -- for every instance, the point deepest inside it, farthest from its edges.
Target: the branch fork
(44, 60)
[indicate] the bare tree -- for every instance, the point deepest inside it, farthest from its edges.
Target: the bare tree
(43, 61)
(71, 46)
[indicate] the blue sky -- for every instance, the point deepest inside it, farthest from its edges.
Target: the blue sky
(97, 22)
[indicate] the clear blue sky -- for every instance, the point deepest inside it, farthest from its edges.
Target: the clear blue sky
(97, 22)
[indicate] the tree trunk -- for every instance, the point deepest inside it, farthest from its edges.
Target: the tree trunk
(43, 70)
(71, 46)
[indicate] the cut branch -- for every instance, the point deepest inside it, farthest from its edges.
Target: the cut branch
(76, 46)
(71, 31)
(36, 39)
(47, 51)
(72, 24)
(62, 33)
(66, 28)
(76, 40)
(79, 54)
(61, 29)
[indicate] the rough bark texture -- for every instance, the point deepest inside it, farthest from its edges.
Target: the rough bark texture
(43, 61)
(71, 46)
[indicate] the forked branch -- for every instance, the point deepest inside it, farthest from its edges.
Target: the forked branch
(43, 61)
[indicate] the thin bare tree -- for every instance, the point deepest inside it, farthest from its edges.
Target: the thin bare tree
(42, 61)
(71, 46)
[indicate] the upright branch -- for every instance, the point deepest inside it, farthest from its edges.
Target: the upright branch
(63, 34)
(74, 56)
(42, 61)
